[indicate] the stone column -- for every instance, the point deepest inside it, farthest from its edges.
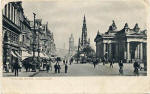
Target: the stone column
(104, 49)
(128, 51)
(107, 51)
(99, 50)
(141, 51)
(116, 53)
(135, 52)
(110, 51)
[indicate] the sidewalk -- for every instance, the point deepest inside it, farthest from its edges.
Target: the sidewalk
(23, 73)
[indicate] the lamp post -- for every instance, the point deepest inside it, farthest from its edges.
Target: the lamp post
(34, 37)
(34, 33)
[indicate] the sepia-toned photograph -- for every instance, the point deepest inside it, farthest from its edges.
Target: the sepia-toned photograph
(74, 38)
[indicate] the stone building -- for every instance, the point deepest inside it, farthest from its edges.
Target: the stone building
(18, 34)
(12, 16)
(71, 45)
(45, 46)
(126, 44)
(26, 38)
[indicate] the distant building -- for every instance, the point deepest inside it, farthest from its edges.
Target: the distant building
(72, 47)
(125, 44)
(71, 44)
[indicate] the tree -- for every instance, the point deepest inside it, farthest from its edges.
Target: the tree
(88, 51)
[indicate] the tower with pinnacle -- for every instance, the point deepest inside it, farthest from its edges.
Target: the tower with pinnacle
(84, 41)
(71, 44)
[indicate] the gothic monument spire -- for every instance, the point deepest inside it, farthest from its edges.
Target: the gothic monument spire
(84, 33)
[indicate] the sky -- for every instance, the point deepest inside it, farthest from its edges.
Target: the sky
(66, 17)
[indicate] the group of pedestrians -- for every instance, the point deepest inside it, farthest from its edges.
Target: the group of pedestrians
(136, 65)
(57, 68)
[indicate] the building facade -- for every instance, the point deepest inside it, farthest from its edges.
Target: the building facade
(26, 39)
(18, 34)
(127, 44)
(12, 14)
(45, 46)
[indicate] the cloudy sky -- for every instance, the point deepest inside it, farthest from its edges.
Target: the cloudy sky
(66, 17)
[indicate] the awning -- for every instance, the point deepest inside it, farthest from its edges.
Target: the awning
(13, 54)
(43, 55)
(18, 55)
(25, 55)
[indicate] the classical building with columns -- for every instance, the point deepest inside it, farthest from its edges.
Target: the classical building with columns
(126, 44)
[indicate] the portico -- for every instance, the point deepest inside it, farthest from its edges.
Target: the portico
(127, 44)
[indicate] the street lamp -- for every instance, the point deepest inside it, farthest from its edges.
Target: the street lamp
(34, 37)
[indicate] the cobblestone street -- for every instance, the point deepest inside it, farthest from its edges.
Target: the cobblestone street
(82, 70)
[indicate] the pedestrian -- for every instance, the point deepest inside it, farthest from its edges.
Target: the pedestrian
(71, 60)
(25, 65)
(16, 67)
(12, 65)
(136, 68)
(50, 65)
(64, 62)
(111, 64)
(66, 68)
(58, 67)
(47, 67)
(121, 67)
(113, 61)
(20, 66)
(94, 63)
(55, 67)
(103, 60)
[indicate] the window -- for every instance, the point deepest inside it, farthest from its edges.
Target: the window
(5, 10)
(12, 13)
(9, 11)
